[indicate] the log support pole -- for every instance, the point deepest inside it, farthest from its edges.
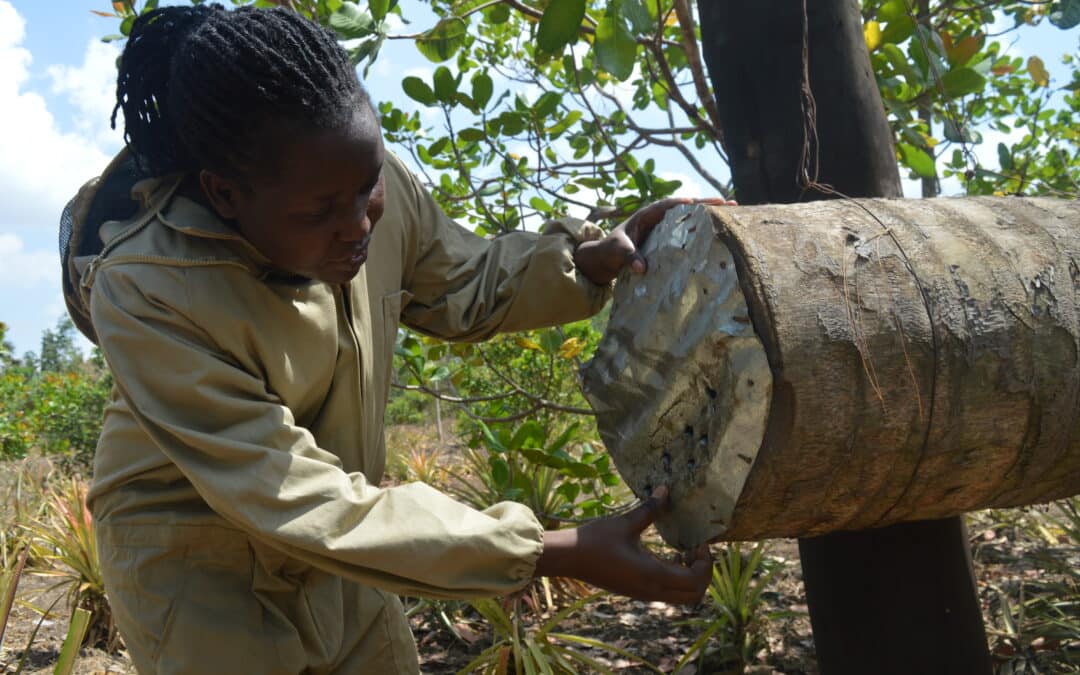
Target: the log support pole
(901, 599)
(898, 599)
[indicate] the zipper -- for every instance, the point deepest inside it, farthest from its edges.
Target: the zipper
(346, 304)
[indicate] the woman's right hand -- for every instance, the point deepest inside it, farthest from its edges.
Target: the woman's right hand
(608, 553)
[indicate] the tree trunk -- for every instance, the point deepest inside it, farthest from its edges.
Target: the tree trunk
(763, 56)
(926, 107)
(754, 53)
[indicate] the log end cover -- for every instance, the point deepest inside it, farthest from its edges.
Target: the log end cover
(680, 381)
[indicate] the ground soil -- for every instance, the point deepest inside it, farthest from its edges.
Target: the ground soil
(1012, 550)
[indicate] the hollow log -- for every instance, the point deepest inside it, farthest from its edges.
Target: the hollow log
(802, 369)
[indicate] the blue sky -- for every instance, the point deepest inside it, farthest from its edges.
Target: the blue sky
(56, 93)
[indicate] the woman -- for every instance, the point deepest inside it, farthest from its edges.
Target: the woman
(248, 311)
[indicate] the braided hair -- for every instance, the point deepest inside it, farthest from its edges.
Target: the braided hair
(198, 85)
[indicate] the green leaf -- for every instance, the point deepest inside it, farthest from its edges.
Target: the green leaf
(445, 85)
(1004, 157)
(581, 470)
(1065, 14)
(547, 104)
(418, 90)
(638, 14)
(559, 443)
(615, 46)
(569, 490)
(589, 505)
(498, 14)
(434, 149)
(69, 653)
(900, 64)
(962, 81)
(565, 123)
(125, 25)
(892, 10)
(500, 471)
(443, 41)
(368, 49)
(898, 30)
(539, 204)
(512, 123)
(350, 22)
(471, 135)
(917, 160)
(529, 435)
(550, 340)
(481, 89)
(464, 99)
(594, 182)
(921, 59)
(490, 440)
(559, 25)
(542, 458)
(378, 8)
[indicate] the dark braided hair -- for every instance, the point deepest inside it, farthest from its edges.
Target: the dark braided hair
(198, 84)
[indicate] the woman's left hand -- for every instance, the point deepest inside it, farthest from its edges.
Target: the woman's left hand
(608, 553)
(602, 260)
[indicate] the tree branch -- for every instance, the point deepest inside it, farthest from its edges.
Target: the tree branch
(693, 59)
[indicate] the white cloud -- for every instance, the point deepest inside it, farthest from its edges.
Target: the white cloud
(41, 165)
(26, 269)
(43, 161)
(91, 89)
(691, 187)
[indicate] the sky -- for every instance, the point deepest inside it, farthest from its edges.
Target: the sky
(57, 84)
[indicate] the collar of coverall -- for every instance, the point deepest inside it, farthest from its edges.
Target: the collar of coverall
(192, 218)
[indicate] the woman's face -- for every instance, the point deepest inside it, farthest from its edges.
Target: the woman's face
(312, 211)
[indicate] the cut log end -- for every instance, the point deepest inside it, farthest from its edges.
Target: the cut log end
(681, 383)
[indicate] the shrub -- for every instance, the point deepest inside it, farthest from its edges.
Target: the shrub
(407, 407)
(57, 412)
(65, 549)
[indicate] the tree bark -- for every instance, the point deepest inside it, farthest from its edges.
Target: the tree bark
(924, 365)
(756, 53)
(925, 107)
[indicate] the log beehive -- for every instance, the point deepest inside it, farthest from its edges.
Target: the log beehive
(800, 369)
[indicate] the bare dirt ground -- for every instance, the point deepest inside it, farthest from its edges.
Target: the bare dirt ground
(1017, 553)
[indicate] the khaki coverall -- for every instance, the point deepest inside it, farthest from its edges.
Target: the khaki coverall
(241, 529)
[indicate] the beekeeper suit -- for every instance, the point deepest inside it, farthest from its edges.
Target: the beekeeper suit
(240, 526)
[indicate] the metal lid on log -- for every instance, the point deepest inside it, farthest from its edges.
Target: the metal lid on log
(680, 382)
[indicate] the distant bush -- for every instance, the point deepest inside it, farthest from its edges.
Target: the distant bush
(407, 407)
(54, 403)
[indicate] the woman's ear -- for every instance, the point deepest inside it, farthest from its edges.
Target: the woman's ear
(224, 194)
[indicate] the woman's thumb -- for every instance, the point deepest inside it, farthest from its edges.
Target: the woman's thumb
(646, 512)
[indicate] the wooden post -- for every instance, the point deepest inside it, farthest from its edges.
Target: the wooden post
(874, 597)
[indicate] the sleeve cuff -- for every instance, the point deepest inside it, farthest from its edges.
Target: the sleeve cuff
(527, 535)
(577, 231)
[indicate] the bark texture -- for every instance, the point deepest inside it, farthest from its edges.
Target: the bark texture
(807, 103)
(754, 53)
(922, 366)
